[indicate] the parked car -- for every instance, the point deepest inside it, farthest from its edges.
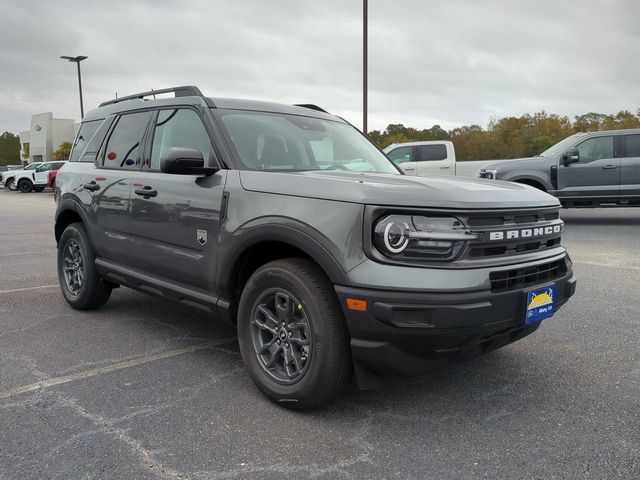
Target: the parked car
(35, 179)
(436, 157)
(51, 179)
(249, 211)
(584, 170)
(7, 178)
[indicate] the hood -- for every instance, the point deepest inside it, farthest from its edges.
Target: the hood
(521, 162)
(398, 190)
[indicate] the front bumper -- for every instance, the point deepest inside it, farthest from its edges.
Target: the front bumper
(411, 333)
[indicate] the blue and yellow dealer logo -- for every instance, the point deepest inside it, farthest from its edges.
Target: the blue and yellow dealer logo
(541, 299)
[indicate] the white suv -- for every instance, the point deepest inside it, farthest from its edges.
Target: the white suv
(9, 176)
(34, 179)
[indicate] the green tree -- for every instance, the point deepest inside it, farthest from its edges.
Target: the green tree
(9, 148)
(63, 151)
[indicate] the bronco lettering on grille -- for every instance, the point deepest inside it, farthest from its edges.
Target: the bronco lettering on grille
(525, 232)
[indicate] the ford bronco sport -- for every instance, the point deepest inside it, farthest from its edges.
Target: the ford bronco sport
(289, 223)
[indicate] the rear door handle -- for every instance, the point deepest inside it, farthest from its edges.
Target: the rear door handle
(445, 167)
(609, 167)
(92, 186)
(146, 191)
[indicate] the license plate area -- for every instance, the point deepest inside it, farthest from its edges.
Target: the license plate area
(541, 304)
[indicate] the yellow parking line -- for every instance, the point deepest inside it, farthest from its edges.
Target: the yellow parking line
(50, 382)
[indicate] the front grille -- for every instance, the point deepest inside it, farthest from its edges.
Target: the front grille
(526, 276)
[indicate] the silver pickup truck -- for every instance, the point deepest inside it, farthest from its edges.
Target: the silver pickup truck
(583, 170)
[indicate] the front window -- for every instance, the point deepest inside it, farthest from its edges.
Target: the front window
(401, 155)
(31, 166)
(596, 148)
(279, 142)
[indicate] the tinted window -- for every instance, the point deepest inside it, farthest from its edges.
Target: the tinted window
(178, 128)
(85, 133)
(45, 167)
(632, 145)
(431, 152)
(31, 166)
(123, 147)
(56, 166)
(401, 155)
(595, 149)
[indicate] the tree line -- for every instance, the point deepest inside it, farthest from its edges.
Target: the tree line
(508, 137)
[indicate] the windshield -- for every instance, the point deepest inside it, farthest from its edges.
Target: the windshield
(31, 166)
(279, 142)
(561, 146)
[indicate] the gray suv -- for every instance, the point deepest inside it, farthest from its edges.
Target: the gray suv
(584, 170)
(289, 223)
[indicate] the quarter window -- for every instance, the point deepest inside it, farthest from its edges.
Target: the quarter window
(85, 133)
(632, 147)
(595, 148)
(180, 127)
(428, 153)
(401, 155)
(123, 147)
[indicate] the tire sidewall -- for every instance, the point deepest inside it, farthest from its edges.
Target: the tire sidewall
(28, 188)
(271, 276)
(74, 233)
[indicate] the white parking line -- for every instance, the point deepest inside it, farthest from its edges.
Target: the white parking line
(110, 368)
(24, 235)
(26, 253)
(605, 264)
(24, 289)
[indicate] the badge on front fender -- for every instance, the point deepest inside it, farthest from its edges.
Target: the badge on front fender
(201, 236)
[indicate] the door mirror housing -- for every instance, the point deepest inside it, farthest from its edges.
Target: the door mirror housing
(184, 161)
(571, 156)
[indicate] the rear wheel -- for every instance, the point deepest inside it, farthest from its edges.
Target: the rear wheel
(292, 335)
(25, 185)
(81, 286)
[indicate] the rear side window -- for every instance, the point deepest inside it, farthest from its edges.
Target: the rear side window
(428, 153)
(182, 128)
(632, 145)
(87, 130)
(123, 147)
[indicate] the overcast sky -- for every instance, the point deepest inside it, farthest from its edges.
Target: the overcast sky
(431, 62)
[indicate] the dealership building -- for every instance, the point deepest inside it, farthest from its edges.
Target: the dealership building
(46, 136)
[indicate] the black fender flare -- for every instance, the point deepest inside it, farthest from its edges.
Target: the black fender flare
(69, 203)
(295, 236)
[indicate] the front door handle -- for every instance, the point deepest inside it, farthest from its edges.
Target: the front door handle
(609, 167)
(92, 186)
(445, 167)
(146, 191)
(409, 169)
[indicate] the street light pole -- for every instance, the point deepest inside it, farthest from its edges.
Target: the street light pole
(77, 61)
(365, 55)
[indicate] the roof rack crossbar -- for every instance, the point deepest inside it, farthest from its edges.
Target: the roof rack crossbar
(185, 91)
(311, 106)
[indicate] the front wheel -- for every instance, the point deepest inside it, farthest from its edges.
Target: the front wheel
(8, 182)
(292, 336)
(81, 286)
(25, 185)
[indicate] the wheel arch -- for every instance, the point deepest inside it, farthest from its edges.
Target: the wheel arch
(66, 214)
(532, 182)
(270, 242)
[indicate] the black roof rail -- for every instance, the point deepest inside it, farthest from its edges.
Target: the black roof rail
(311, 106)
(185, 91)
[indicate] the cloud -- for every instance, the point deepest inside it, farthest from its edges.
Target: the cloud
(447, 63)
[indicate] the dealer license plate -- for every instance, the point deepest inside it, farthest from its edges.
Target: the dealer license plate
(540, 304)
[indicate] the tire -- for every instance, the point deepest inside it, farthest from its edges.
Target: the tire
(74, 248)
(25, 185)
(323, 369)
(38, 189)
(8, 182)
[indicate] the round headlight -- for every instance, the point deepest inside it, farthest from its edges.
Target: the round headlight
(396, 237)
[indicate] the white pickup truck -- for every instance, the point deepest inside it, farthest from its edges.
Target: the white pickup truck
(432, 158)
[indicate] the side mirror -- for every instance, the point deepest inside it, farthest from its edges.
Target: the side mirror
(184, 161)
(571, 156)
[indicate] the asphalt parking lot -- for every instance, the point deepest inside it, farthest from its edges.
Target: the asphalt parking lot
(147, 389)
